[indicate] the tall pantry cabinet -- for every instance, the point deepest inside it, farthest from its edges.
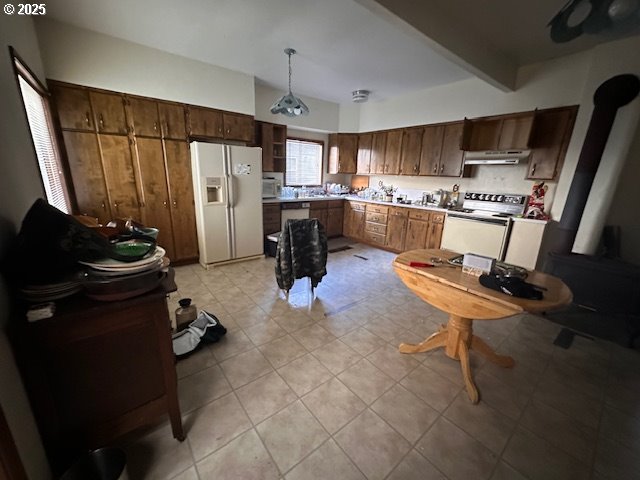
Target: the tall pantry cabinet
(129, 158)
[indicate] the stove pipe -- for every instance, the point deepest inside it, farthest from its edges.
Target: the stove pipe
(611, 95)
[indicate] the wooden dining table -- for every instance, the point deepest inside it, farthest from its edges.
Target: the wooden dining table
(464, 299)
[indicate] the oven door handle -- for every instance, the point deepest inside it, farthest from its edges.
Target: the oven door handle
(494, 221)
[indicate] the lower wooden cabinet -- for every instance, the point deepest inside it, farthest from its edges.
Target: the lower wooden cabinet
(271, 222)
(397, 228)
(353, 223)
(330, 215)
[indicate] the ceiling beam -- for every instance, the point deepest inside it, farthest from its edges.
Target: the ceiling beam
(452, 38)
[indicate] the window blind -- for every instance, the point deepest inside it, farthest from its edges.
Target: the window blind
(304, 163)
(41, 132)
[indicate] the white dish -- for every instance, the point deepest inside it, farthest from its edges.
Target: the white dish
(110, 264)
(117, 272)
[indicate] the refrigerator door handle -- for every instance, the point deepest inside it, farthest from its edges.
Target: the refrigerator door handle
(231, 221)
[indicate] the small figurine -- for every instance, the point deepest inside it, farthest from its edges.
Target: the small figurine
(535, 208)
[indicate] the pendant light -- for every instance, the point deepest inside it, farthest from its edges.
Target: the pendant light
(289, 104)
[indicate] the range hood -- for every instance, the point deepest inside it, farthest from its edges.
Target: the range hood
(495, 157)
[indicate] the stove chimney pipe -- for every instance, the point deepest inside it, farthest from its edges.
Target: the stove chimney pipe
(608, 98)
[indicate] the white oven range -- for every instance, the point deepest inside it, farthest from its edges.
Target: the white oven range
(483, 224)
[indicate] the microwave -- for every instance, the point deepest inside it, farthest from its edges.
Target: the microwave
(271, 188)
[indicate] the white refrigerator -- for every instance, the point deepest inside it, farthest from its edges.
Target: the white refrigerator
(227, 185)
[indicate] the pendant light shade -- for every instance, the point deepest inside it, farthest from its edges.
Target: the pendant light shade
(289, 104)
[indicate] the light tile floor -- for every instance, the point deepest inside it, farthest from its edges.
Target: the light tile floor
(299, 390)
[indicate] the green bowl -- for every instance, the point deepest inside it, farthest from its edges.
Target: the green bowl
(133, 248)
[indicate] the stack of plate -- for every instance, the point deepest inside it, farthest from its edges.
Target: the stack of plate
(50, 292)
(107, 267)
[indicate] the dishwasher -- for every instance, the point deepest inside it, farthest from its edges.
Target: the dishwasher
(293, 211)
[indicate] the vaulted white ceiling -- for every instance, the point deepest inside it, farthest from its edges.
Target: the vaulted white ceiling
(390, 47)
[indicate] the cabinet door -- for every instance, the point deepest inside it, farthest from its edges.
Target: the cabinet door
(156, 211)
(320, 214)
(334, 222)
(144, 115)
(396, 231)
(416, 234)
(108, 110)
(516, 132)
(120, 178)
(83, 155)
(348, 149)
(183, 214)
(172, 121)
(73, 107)
(411, 148)
(434, 236)
(451, 156)
(266, 135)
(431, 149)
(549, 141)
(377, 152)
(358, 224)
(238, 127)
(485, 134)
(392, 152)
(205, 122)
(364, 152)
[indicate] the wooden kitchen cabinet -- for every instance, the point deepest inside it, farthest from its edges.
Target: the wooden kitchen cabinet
(238, 127)
(365, 141)
(417, 229)
(550, 140)
(392, 152)
(85, 165)
(378, 146)
(205, 122)
(183, 214)
(503, 132)
(144, 117)
(411, 149)
(273, 140)
(343, 152)
(96, 371)
(441, 154)
(109, 113)
(397, 228)
(319, 210)
(353, 224)
(335, 212)
(156, 208)
(436, 225)
(117, 163)
(73, 107)
(172, 120)
(271, 219)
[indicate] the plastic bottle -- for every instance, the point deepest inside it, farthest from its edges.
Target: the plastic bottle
(186, 314)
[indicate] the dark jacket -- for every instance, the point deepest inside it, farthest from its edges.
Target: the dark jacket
(301, 252)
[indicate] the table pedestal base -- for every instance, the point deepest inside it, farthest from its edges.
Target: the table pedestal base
(457, 338)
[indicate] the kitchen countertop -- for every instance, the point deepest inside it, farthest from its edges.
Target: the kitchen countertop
(355, 198)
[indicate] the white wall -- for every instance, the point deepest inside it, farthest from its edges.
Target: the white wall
(20, 186)
(84, 57)
(323, 117)
(565, 81)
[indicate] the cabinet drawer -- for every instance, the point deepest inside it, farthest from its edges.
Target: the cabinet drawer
(437, 217)
(398, 212)
(357, 206)
(375, 228)
(270, 208)
(419, 214)
(375, 238)
(376, 217)
(377, 209)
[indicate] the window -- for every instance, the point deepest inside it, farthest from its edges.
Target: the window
(36, 105)
(304, 162)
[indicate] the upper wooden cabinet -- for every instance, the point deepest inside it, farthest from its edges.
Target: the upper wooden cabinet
(411, 148)
(365, 141)
(503, 132)
(109, 114)
(144, 117)
(549, 142)
(210, 123)
(172, 120)
(73, 108)
(273, 140)
(378, 146)
(392, 152)
(205, 122)
(441, 153)
(343, 151)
